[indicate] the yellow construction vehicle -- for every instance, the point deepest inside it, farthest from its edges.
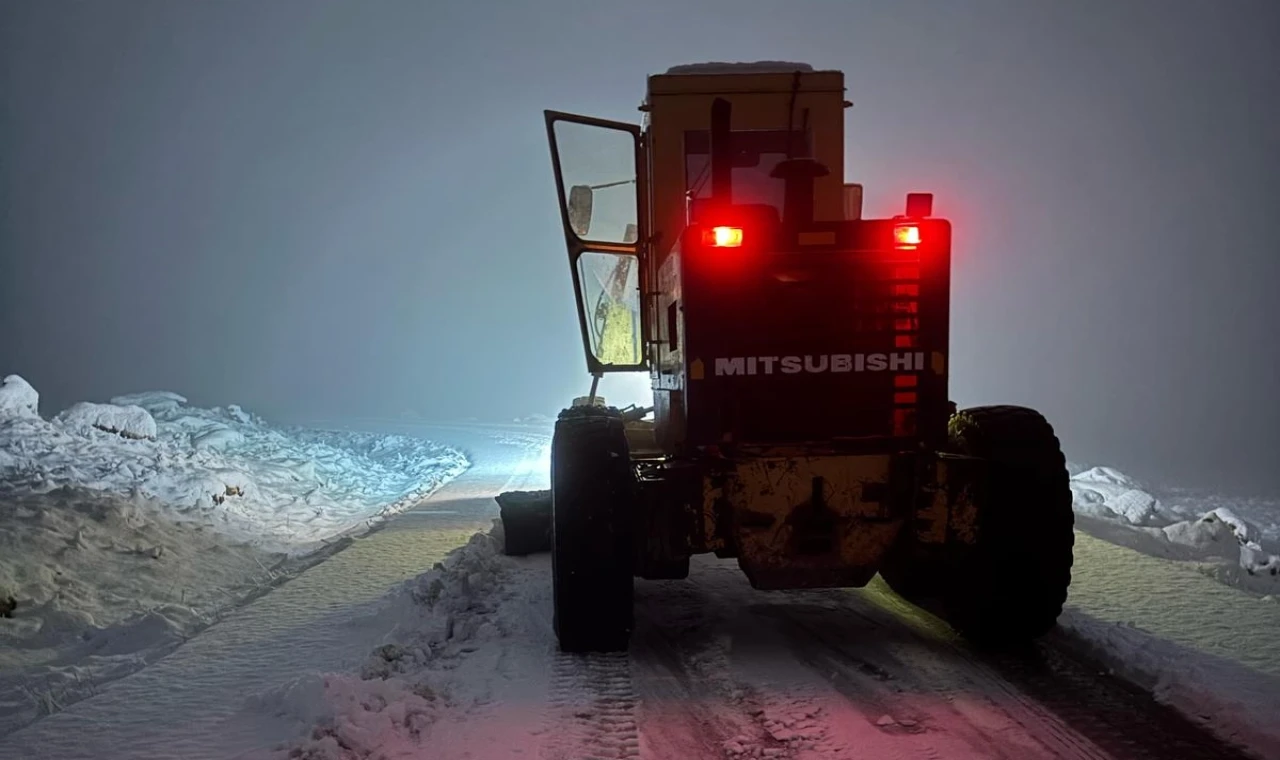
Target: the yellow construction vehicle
(801, 421)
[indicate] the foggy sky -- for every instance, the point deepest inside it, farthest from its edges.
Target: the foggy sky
(325, 210)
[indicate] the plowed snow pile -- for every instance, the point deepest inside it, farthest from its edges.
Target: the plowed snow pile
(1235, 541)
(455, 647)
(127, 526)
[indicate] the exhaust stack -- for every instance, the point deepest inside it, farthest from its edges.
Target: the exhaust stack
(721, 152)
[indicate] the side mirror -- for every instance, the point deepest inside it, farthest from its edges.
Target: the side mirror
(632, 234)
(580, 199)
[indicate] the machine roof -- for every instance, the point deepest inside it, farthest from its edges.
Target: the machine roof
(752, 67)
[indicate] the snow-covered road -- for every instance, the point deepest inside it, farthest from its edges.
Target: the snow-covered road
(719, 670)
(199, 701)
(470, 668)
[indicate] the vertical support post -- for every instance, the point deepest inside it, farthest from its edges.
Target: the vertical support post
(595, 385)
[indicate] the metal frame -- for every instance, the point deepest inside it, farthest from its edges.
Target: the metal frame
(577, 246)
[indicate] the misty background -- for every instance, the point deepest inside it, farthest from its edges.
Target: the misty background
(333, 210)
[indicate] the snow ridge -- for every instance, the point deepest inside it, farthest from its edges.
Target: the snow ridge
(403, 688)
(1218, 536)
(278, 488)
(127, 527)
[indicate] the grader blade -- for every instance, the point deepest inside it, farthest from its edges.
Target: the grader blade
(526, 522)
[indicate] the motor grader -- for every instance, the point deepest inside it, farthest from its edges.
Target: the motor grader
(798, 353)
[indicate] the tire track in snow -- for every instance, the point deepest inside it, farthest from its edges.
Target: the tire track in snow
(1100, 715)
(592, 708)
(823, 675)
(911, 682)
(766, 704)
(683, 711)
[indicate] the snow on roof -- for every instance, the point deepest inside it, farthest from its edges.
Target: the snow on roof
(753, 67)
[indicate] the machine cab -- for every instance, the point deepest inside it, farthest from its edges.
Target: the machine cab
(720, 249)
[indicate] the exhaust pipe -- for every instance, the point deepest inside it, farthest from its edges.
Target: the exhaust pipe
(799, 174)
(721, 152)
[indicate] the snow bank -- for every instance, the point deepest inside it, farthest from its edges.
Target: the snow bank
(104, 585)
(126, 421)
(405, 687)
(1217, 536)
(1109, 494)
(126, 527)
(283, 489)
(18, 398)
(1235, 702)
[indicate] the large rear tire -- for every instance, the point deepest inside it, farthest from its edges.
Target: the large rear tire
(1009, 587)
(915, 573)
(593, 499)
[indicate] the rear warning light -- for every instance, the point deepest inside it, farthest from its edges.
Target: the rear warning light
(906, 236)
(722, 237)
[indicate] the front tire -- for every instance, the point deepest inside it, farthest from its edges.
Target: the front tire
(593, 498)
(1009, 587)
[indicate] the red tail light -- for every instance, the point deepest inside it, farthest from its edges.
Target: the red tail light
(722, 237)
(906, 236)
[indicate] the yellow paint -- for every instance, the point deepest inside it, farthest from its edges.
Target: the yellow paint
(760, 489)
(939, 363)
(676, 103)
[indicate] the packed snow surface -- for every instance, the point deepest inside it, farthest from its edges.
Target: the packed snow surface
(1234, 701)
(718, 670)
(125, 527)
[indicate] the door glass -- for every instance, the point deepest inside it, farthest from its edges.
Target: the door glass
(611, 303)
(598, 165)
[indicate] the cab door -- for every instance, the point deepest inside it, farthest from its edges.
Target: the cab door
(598, 168)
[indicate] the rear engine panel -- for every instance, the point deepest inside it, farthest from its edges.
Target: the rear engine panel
(806, 521)
(798, 520)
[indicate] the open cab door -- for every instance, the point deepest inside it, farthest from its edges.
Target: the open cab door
(597, 166)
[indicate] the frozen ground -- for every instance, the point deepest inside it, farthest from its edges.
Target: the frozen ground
(127, 527)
